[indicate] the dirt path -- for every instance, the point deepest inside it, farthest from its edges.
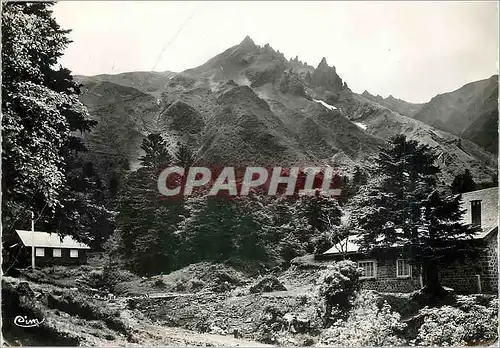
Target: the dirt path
(152, 334)
(145, 332)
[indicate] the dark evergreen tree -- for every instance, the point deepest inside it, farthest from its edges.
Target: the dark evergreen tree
(463, 183)
(184, 156)
(442, 237)
(401, 208)
(350, 187)
(156, 152)
(147, 221)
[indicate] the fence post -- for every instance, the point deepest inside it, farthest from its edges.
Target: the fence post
(478, 283)
(32, 240)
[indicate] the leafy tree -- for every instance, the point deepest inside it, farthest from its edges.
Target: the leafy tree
(321, 211)
(41, 113)
(82, 213)
(336, 234)
(463, 183)
(209, 232)
(294, 225)
(402, 207)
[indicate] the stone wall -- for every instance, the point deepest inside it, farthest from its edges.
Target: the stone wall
(461, 275)
(492, 262)
(386, 280)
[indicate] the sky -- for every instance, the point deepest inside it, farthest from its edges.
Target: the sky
(411, 50)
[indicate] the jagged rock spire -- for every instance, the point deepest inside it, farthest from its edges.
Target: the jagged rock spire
(247, 39)
(326, 76)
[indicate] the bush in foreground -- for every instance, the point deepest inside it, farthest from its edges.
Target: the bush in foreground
(471, 324)
(338, 284)
(371, 322)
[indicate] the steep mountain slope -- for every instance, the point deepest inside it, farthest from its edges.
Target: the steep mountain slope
(400, 106)
(258, 110)
(455, 153)
(125, 116)
(470, 112)
(250, 105)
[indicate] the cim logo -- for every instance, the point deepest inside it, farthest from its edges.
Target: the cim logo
(26, 322)
(231, 181)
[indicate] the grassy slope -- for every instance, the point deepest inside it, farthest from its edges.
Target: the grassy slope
(150, 82)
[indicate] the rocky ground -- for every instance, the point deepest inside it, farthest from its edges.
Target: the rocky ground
(203, 304)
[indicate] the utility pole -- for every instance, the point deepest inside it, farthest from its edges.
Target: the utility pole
(32, 240)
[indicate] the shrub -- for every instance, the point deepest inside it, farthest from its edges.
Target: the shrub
(307, 262)
(159, 283)
(452, 326)
(322, 242)
(370, 323)
(75, 303)
(337, 285)
(20, 300)
(267, 284)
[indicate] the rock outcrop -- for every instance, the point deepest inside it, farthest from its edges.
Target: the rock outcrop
(326, 77)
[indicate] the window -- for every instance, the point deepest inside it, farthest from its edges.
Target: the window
(40, 252)
(369, 268)
(56, 252)
(403, 269)
(476, 212)
(73, 253)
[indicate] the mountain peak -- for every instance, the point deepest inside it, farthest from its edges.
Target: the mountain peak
(247, 41)
(326, 76)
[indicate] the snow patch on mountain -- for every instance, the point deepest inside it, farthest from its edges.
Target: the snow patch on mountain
(328, 106)
(360, 125)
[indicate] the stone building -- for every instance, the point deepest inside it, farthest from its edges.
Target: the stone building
(389, 271)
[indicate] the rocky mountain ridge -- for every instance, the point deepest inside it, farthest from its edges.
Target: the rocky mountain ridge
(250, 105)
(395, 104)
(470, 112)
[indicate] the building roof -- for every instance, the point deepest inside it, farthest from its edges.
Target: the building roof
(489, 212)
(350, 246)
(347, 245)
(484, 232)
(49, 240)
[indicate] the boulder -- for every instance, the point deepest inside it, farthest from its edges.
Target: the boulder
(267, 284)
